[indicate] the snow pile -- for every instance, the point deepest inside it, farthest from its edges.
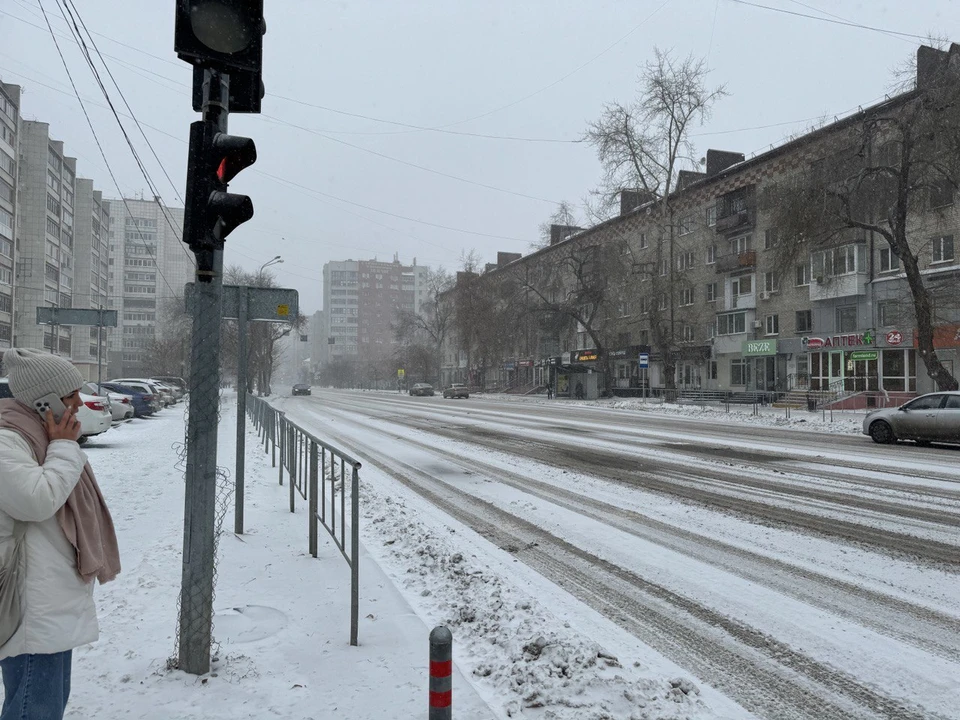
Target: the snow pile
(524, 660)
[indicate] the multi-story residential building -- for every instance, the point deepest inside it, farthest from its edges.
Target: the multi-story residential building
(149, 268)
(45, 233)
(91, 270)
(9, 154)
(704, 283)
(361, 300)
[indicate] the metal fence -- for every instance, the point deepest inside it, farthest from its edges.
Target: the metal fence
(323, 476)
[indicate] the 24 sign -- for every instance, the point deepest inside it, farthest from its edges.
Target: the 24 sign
(894, 337)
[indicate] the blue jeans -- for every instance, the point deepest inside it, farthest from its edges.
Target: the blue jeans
(36, 687)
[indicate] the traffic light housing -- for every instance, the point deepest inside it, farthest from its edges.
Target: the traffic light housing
(212, 213)
(224, 35)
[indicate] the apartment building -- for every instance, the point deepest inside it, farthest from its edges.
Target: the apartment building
(360, 302)
(91, 272)
(9, 153)
(149, 268)
(710, 277)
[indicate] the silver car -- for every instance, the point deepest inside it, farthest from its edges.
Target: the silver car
(926, 419)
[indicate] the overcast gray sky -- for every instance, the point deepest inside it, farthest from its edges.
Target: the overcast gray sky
(533, 70)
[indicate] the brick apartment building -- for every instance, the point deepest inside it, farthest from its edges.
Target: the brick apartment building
(839, 318)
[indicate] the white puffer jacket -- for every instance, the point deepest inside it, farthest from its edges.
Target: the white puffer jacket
(58, 609)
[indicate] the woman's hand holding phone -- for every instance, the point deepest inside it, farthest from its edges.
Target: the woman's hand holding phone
(66, 428)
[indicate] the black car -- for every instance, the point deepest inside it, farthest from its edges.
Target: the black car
(301, 389)
(422, 390)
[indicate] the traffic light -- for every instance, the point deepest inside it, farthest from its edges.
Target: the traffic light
(212, 213)
(224, 35)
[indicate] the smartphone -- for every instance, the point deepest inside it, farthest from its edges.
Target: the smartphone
(50, 402)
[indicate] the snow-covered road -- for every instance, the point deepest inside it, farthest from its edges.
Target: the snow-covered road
(800, 574)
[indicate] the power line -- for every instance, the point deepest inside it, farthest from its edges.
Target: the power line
(845, 23)
(86, 53)
(96, 139)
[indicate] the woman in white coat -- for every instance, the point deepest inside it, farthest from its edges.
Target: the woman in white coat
(68, 540)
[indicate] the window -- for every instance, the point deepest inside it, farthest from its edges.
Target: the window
(888, 313)
(53, 228)
(643, 306)
(742, 285)
(711, 254)
(685, 225)
(941, 194)
(6, 224)
(712, 370)
(732, 323)
(943, 248)
(663, 268)
(686, 296)
(662, 302)
(711, 215)
(930, 402)
(53, 205)
(802, 275)
(847, 319)
(739, 244)
(771, 282)
(643, 241)
(843, 260)
(889, 262)
(739, 372)
(804, 321)
(688, 333)
(773, 324)
(685, 260)
(769, 238)
(6, 162)
(6, 191)
(53, 182)
(711, 292)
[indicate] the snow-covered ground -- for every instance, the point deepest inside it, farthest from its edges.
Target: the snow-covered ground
(592, 562)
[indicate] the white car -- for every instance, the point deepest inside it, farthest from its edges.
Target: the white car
(94, 416)
(121, 406)
(165, 397)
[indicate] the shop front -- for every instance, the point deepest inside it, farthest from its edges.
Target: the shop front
(861, 362)
(626, 371)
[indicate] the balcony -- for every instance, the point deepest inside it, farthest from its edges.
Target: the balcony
(737, 221)
(840, 286)
(747, 301)
(736, 261)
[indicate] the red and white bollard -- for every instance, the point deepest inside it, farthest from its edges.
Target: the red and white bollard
(441, 673)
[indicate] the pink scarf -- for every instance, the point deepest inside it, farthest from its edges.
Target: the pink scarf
(84, 518)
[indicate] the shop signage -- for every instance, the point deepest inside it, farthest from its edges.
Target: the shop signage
(858, 355)
(894, 337)
(944, 336)
(586, 356)
(509, 365)
(838, 341)
(525, 363)
(759, 347)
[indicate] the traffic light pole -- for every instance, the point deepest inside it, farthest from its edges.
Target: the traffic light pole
(196, 593)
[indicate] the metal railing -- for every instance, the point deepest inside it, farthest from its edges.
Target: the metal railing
(323, 475)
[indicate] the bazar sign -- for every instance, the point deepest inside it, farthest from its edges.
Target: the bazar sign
(586, 356)
(837, 341)
(759, 347)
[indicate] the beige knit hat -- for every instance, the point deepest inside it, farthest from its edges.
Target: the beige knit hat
(34, 373)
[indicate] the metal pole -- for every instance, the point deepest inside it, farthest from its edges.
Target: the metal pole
(241, 409)
(313, 492)
(355, 554)
(441, 674)
(196, 593)
(100, 351)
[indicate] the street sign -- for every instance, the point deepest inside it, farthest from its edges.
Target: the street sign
(858, 355)
(265, 304)
(400, 373)
(643, 360)
(76, 316)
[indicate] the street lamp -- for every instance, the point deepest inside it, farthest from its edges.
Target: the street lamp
(275, 261)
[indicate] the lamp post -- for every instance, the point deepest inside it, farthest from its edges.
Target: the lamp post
(274, 261)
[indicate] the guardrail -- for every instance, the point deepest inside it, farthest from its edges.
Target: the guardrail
(323, 475)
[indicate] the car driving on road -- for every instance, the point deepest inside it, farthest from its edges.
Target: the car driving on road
(301, 389)
(456, 390)
(926, 419)
(422, 390)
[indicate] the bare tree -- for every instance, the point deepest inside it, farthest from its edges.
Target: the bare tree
(643, 146)
(169, 352)
(564, 217)
(889, 177)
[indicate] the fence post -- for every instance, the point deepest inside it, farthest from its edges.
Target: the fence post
(312, 503)
(273, 438)
(282, 442)
(292, 470)
(441, 674)
(355, 554)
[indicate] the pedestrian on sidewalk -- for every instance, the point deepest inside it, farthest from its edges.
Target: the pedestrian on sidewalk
(50, 501)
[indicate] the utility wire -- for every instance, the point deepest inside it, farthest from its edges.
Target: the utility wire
(845, 23)
(96, 139)
(75, 30)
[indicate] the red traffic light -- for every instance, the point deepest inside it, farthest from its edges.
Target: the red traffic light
(231, 155)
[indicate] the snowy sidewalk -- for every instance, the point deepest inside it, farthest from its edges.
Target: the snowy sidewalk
(286, 652)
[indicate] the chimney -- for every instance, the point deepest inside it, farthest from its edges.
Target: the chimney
(559, 233)
(720, 160)
(932, 64)
(630, 200)
(489, 267)
(505, 258)
(686, 177)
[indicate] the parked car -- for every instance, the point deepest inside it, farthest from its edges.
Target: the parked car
(301, 389)
(164, 397)
(178, 390)
(173, 381)
(422, 390)
(929, 418)
(456, 390)
(94, 416)
(121, 406)
(144, 403)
